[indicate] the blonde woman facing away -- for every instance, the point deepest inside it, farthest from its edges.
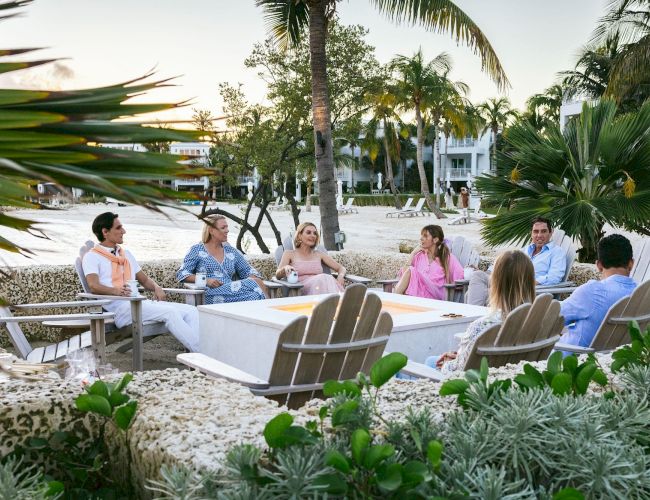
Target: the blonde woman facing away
(220, 261)
(308, 263)
(512, 283)
(431, 265)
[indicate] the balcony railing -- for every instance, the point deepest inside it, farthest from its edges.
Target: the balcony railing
(462, 143)
(457, 173)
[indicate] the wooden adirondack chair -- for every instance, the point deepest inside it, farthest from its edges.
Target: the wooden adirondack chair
(138, 330)
(94, 338)
(613, 331)
(466, 255)
(310, 352)
(294, 289)
(407, 206)
(563, 241)
(528, 333)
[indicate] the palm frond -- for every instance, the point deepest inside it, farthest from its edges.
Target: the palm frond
(444, 16)
(285, 20)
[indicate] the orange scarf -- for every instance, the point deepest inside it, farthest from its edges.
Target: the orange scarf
(120, 265)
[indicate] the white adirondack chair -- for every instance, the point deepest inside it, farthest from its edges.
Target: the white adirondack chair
(528, 333)
(406, 206)
(310, 352)
(95, 337)
(613, 331)
(348, 208)
(138, 329)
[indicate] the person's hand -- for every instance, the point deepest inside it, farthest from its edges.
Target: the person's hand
(341, 280)
(287, 270)
(159, 293)
(124, 291)
(448, 356)
(213, 283)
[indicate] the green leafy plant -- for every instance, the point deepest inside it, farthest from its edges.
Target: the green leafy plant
(637, 353)
(22, 482)
(475, 391)
(563, 375)
(80, 465)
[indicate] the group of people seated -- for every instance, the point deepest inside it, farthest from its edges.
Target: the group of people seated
(511, 282)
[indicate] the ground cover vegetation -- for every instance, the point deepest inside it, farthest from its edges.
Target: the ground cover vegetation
(569, 430)
(56, 136)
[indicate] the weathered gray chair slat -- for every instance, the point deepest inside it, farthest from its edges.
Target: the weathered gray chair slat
(528, 333)
(613, 331)
(302, 365)
(94, 338)
(138, 330)
(641, 269)
(294, 289)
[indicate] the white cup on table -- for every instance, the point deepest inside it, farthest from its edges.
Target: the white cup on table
(200, 280)
(292, 277)
(133, 285)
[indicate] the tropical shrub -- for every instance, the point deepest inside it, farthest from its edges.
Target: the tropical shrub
(594, 172)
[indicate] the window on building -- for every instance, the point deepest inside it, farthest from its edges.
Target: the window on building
(458, 163)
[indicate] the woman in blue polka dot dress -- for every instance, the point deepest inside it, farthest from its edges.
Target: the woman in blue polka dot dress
(219, 261)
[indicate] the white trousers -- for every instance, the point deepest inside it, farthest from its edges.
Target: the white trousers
(182, 320)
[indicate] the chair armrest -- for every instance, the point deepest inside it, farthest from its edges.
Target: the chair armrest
(185, 291)
(85, 295)
(387, 285)
(284, 282)
(272, 285)
(387, 282)
(218, 369)
(356, 279)
(54, 305)
(562, 284)
(573, 348)
(555, 291)
(56, 317)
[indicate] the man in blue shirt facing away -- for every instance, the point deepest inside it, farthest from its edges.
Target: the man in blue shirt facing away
(549, 262)
(585, 309)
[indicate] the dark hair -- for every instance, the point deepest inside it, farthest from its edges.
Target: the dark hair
(536, 220)
(443, 250)
(614, 250)
(103, 221)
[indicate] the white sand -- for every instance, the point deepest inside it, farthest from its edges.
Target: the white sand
(154, 236)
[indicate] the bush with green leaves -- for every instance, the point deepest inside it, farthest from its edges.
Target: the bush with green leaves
(79, 468)
(637, 353)
(21, 482)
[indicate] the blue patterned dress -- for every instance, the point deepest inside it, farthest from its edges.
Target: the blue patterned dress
(198, 259)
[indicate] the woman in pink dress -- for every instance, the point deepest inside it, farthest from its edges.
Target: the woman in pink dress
(431, 265)
(308, 263)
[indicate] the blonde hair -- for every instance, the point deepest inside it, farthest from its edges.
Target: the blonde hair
(512, 282)
(210, 221)
(296, 237)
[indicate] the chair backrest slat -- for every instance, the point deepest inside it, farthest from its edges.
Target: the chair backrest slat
(16, 335)
(420, 204)
(641, 268)
(408, 204)
(383, 327)
(78, 264)
(610, 335)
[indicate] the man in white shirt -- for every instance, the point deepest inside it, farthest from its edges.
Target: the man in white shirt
(108, 267)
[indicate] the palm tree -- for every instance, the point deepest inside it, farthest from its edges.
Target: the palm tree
(286, 21)
(594, 172)
(549, 102)
(382, 108)
(416, 84)
(496, 112)
(629, 20)
(56, 136)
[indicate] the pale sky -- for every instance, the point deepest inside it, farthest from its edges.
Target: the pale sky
(205, 42)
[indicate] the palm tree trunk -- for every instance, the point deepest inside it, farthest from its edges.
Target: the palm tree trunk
(437, 164)
(389, 170)
(424, 185)
(322, 122)
(495, 131)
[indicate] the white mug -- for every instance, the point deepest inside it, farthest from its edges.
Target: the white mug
(292, 277)
(200, 280)
(467, 273)
(133, 285)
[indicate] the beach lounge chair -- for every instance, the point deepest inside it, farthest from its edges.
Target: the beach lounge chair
(410, 212)
(613, 331)
(348, 208)
(315, 350)
(406, 206)
(467, 216)
(280, 203)
(138, 330)
(528, 333)
(94, 338)
(294, 289)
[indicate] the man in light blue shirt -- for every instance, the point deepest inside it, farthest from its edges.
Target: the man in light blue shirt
(549, 262)
(585, 309)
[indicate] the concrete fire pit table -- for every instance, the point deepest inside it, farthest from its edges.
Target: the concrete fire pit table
(245, 334)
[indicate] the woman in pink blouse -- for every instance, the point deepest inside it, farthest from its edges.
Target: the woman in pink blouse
(431, 265)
